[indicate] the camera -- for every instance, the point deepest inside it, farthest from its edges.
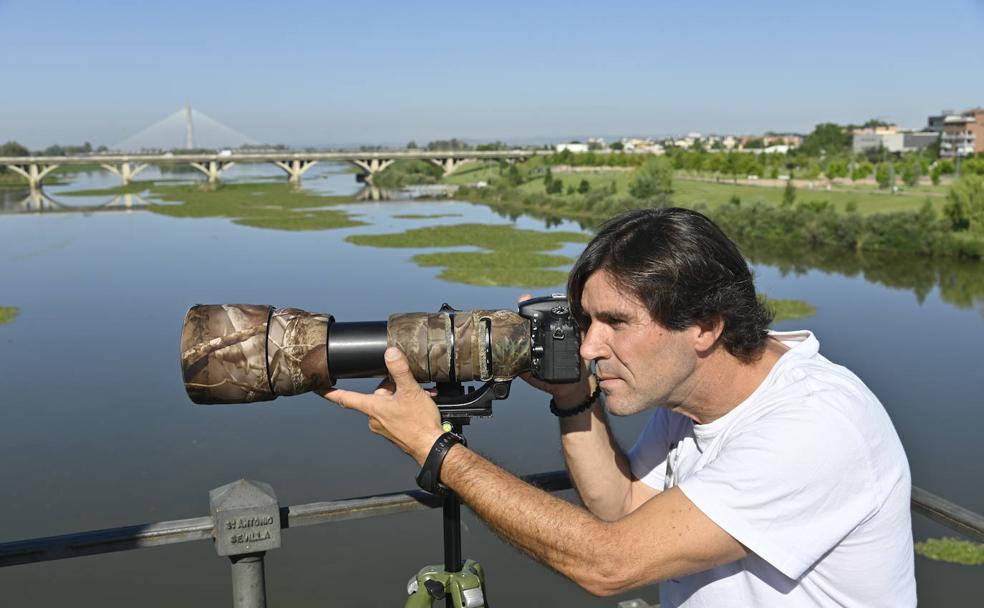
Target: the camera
(241, 353)
(554, 339)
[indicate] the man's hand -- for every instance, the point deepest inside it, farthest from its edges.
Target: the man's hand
(399, 410)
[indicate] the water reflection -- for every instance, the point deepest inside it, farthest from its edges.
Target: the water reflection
(960, 282)
(371, 193)
(39, 201)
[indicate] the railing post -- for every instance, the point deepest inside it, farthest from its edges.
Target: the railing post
(246, 520)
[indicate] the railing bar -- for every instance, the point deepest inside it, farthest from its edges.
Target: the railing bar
(947, 513)
(200, 528)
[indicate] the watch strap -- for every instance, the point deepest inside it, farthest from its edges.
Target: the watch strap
(430, 473)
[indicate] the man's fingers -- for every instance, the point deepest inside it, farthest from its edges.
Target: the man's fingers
(347, 399)
(523, 297)
(399, 370)
(386, 388)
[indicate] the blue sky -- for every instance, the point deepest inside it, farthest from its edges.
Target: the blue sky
(323, 73)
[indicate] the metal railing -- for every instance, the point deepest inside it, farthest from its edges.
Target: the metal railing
(240, 506)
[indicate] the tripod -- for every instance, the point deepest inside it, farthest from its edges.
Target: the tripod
(459, 584)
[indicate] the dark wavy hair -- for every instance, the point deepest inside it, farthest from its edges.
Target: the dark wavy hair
(679, 265)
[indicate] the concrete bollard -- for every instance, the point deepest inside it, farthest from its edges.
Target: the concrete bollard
(246, 517)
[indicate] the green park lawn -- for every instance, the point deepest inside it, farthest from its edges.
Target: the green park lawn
(689, 192)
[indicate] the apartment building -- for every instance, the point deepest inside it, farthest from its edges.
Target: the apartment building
(962, 134)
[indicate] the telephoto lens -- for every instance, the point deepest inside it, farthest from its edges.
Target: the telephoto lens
(242, 353)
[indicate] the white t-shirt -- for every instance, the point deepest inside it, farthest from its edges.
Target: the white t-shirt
(808, 474)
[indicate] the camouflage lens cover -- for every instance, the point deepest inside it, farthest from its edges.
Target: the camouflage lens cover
(223, 353)
(241, 353)
(426, 339)
(297, 351)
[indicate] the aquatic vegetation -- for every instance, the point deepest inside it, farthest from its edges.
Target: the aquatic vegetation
(512, 257)
(423, 216)
(7, 314)
(276, 206)
(952, 550)
(788, 310)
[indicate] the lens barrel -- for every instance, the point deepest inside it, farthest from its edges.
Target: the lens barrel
(242, 353)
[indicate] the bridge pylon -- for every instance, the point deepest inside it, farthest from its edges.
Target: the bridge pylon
(371, 166)
(34, 172)
(450, 163)
(125, 170)
(212, 168)
(295, 168)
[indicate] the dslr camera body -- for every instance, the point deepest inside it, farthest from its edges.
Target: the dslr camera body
(555, 340)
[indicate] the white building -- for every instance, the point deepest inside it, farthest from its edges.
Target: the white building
(572, 147)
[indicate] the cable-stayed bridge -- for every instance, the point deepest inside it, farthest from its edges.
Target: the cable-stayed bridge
(188, 129)
(152, 141)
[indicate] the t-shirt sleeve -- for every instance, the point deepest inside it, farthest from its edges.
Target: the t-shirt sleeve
(789, 488)
(647, 458)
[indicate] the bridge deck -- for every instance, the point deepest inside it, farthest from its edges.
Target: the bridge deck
(270, 157)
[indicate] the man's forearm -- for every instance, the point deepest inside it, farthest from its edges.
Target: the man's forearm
(598, 467)
(561, 535)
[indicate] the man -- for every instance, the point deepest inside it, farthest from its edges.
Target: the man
(767, 476)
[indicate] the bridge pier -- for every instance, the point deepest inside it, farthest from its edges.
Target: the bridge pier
(295, 168)
(449, 164)
(34, 172)
(126, 171)
(213, 168)
(371, 166)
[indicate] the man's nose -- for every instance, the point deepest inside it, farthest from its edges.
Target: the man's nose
(592, 345)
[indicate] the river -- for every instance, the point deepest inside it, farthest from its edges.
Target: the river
(96, 430)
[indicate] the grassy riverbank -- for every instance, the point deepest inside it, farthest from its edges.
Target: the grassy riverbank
(689, 191)
(854, 221)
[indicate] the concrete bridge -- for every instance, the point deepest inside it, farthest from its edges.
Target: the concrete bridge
(35, 168)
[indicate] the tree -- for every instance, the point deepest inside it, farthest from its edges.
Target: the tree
(731, 164)
(556, 187)
(548, 179)
(617, 146)
(412, 145)
(514, 177)
(863, 170)
(653, 180)
(965, 204)
(826, 138)
(583, 187)
(789, 194)
(12, 148)
(755, 143)
(883, 175)
(836, 168)
(911, 173)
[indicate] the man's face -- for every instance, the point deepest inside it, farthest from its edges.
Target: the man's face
(639, 363)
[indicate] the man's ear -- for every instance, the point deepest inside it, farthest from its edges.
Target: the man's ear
(707, 335)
